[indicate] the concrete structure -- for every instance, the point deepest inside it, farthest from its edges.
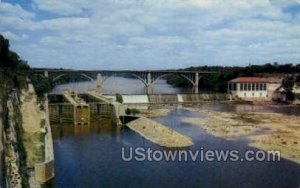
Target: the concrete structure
(44, 171)
(253, 88)
(80, 107)
(148, 78)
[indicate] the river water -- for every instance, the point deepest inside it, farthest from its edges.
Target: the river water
(91, 156)
(122, 85)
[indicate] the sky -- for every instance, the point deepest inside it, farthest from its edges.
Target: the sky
(151, 34)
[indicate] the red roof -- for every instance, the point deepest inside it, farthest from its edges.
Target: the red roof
(249, 79)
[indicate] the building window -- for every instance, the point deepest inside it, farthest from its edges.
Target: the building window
(260, 86)
(257, 87)
(241, 86)
(264, 86)
(253, 86)
(249, 86)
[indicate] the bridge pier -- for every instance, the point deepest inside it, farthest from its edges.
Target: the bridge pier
(46, 74)
(99, 83)
(196, 84)
(149, 90)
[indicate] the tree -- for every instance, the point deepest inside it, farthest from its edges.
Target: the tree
(288, 84)
(119, 98)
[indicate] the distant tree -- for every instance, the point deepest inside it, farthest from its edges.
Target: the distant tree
(41, 84)
(288, 84)
(13, 70)
(119, 98)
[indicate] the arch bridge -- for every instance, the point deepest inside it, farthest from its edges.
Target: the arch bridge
(147, 77)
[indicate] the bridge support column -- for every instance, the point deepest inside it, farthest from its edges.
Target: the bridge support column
(149, 88)
(149, 79)
(99, 83)
(196, 84)
(46, 74)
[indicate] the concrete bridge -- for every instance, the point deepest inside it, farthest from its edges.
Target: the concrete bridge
(147, 77)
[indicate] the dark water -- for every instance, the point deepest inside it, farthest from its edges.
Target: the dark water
(91, 157)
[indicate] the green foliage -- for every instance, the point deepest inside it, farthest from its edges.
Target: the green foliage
(217, 82)
(288, 83)
(13, 70)
(119, 98)
(43, 123)
(41, 84)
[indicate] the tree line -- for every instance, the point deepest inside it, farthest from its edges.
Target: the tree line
(14, 72)
(217, 82)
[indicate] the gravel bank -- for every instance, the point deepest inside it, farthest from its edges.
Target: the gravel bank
(159, 134)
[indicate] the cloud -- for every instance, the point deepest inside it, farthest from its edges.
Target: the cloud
(13, 36)
(66, 7)
(64, 24)
(142, 34)
(8, 10)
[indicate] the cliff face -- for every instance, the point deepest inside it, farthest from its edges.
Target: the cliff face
(27, 136)
(15, 154)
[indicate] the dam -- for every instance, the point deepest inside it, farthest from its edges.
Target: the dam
(82, 108)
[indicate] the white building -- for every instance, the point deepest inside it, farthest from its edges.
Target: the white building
(253, 88)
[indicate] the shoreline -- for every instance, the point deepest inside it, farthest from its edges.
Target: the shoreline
(265, 131)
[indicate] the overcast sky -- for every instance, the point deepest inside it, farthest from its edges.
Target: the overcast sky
(152, 34)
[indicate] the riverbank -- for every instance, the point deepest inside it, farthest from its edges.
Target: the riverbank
(159, 134)
(266, 131)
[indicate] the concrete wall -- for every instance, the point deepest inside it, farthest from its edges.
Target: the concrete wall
(45, 171)
(135, 99)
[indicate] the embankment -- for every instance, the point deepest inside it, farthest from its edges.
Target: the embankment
(158, 133)
(28, 139)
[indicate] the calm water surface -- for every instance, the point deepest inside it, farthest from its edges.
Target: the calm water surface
(91, 157)
(122, 85)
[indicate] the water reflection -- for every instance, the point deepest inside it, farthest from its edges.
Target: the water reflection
(104, 127)
(91, 157)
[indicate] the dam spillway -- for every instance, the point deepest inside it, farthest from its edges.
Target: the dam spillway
(83, 108)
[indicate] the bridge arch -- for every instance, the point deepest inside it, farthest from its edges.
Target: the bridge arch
(131, 74)
(64, 74)
(181, 75)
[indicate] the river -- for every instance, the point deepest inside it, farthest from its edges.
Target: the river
(122, 85)
(91, 156)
